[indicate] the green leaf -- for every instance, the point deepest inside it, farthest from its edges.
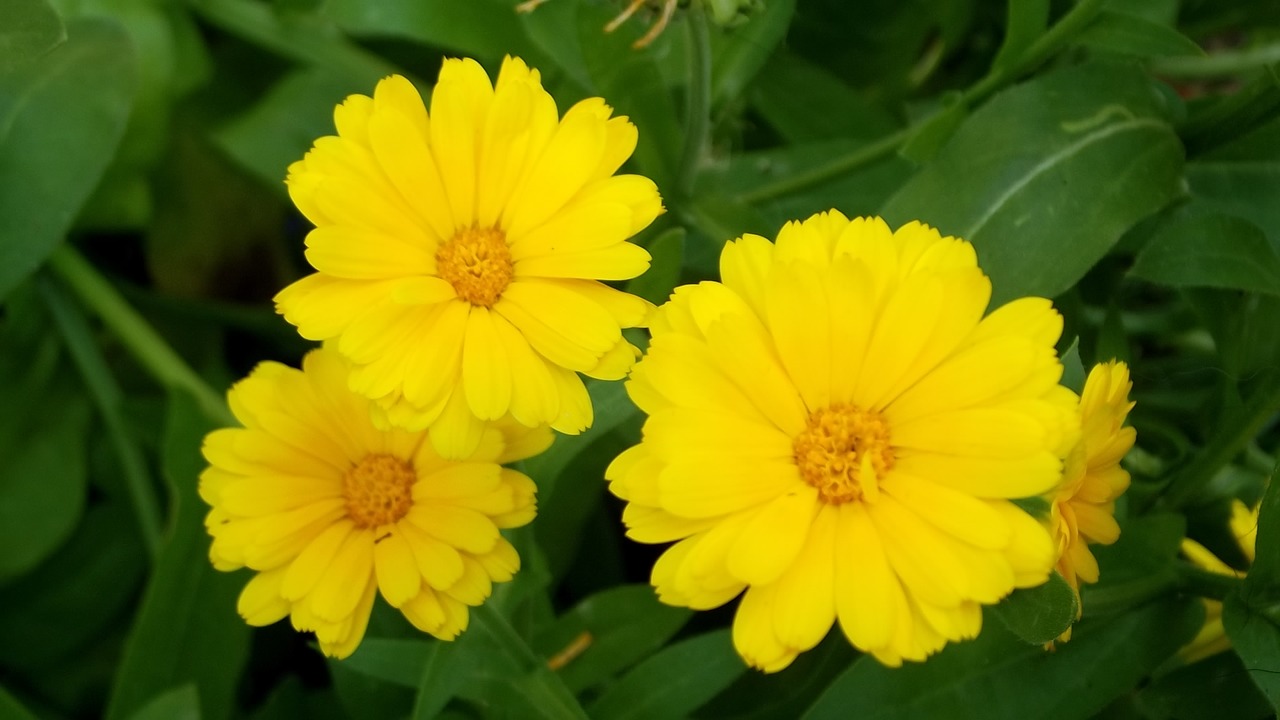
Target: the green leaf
(81, 90)
(281, 127)
(1240, 178)
(362, 695)
(1073, 374)
(997, 675)
(787, 694)
(49, 619)
(309, 39)
(1138, 567)
(1263, 580)
(1256, 639)
(485, 29)
(445, 668)
(789, 87)
(394, 660)
(570, 475)
(664, 272)
(672, 683)
(1214, 688)
(620, 626)
(1127, 34)
(1040, 614)
(31, 28)
(292, 700)
(1210, 250)
(517, 672)
(187, 629)
(1026, 22)
(739, 56)
(12, 709)
(1047, 176)
(180, 703)
(43, 472)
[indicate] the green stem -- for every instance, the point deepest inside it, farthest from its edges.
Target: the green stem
(1041, 50)
(796, 182)
(544, 686)
(106, 394)
(697, 124)
(1231, 439)
(1218, 64)
(138, 336)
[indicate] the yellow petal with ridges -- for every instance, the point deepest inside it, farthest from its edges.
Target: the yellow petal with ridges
(396, 568)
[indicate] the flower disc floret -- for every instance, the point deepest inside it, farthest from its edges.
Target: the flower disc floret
(835, 432)
(378, 490)
(477, 263)
(460, 251)
(842, 451)
(330, 511)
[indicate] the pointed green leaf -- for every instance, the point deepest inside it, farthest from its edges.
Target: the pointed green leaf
(1210, 250)
(31, 28)
(79, 92)
(674, 682)
(608, 632)
(187, 629)
(1132, 35)
(1048, 175)
(997, 675)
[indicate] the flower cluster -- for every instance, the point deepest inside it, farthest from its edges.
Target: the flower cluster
(836, 432)
(459, 254)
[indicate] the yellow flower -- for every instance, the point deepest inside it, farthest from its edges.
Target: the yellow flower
(836, 429)
(326, 508)
(460, 255)
(1084, 505)
(1212, 638)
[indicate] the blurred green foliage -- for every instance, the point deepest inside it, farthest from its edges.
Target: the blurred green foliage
(1120, 156)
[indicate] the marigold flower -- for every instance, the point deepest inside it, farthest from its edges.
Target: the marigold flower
(326, 508)
(1084, 506)
(1212, 638)
(460, 254)
(836, 429)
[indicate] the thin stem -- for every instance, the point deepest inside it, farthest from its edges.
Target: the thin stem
(864, 155)
(147, 346)
(106, 394)
(1041, 50)
(548, 686)
(1218, 64)
(697, 122)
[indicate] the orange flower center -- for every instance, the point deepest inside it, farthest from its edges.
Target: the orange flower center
(477, 263)
(379, 490)
(843, 451)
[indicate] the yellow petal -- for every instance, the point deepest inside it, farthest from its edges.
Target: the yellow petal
(773, 538)
(260, 602)
(396, 569)
(486, 372)
(805, 601)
